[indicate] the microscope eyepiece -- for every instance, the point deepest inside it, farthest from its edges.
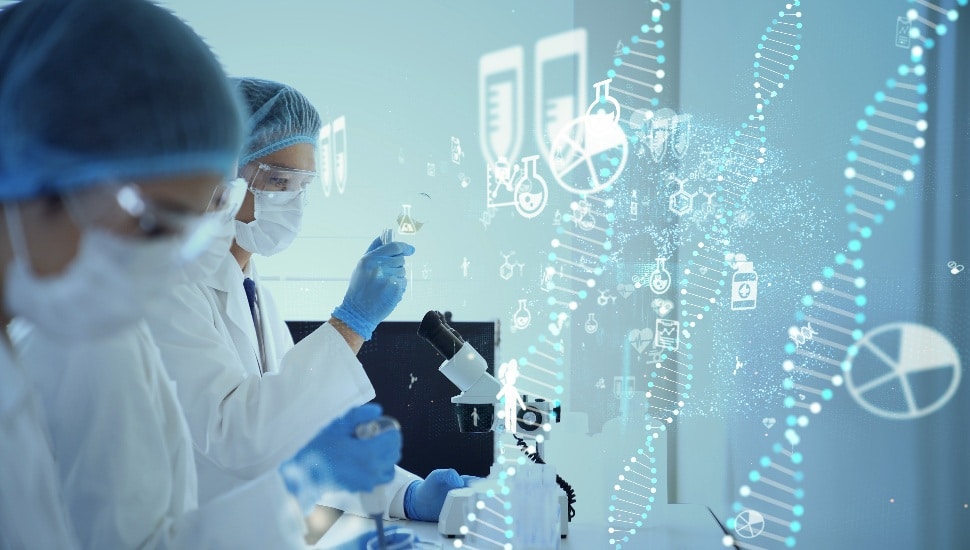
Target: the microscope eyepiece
(436, 330)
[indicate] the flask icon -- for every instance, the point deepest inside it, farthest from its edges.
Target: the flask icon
(405, 223)
(592, 324)
(744, 284)
(522, 316)
(660, 277)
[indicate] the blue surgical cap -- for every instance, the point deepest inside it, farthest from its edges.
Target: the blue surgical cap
(279, 116)
(108, 90)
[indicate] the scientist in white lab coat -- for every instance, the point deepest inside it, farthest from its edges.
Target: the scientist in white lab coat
(118, 135)
(251, 397)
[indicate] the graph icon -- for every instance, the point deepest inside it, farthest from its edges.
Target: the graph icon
(899, 371)
(749, 524)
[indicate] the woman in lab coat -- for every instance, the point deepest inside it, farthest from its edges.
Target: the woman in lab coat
(118, 131)
(251, 397)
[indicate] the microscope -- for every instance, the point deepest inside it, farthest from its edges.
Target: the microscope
(476, 407)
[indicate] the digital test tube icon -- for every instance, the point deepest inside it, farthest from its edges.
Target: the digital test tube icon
(325, 159)
(500, 104)
(560, 89)
(340, 153)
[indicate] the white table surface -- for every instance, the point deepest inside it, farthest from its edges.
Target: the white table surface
(678, 527)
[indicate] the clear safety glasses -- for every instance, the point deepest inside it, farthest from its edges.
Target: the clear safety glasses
(125, 210)
(277, 182)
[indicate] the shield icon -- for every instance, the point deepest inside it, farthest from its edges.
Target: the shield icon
(659, 134)
(680, 135)
(657, 138)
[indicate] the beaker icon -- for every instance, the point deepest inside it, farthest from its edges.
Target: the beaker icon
(405, 223)
(591, 324)
(522, 316)
(660, 277)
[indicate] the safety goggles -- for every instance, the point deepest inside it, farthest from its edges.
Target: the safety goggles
(277, 181)
(124, 209)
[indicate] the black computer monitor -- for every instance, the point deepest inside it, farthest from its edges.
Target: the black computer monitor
(403, 369)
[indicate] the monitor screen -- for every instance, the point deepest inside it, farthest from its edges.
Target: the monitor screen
(403, 369)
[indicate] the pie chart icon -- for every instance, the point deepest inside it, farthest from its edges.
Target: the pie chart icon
(589, 154)
(902, 371)
(749, 524)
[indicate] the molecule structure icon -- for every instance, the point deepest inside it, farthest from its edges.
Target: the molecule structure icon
(681, 202)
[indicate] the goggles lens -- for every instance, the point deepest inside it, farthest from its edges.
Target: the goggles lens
(275, 179)
(124, 209)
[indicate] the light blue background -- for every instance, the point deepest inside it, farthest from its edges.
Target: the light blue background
(405, 76)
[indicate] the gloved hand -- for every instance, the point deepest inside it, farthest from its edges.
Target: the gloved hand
(376, 287)
(336, 460)
(423, 499)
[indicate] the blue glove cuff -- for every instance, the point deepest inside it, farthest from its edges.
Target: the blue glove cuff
(355, 321)
(409, 510)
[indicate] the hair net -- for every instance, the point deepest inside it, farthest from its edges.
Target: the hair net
(279, 117)
(98, 90)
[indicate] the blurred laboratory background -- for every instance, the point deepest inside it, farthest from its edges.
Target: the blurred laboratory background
(752, 299)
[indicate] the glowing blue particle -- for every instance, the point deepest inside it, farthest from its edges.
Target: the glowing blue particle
(799, 494)
(840, 259)
(855, 245)
(611, 74)
(790, 542)
(798, 510)
(828, 272)
(870, 110)
(852, 156)
(789, 402)
(617, 61)
(661, 59)
(807, 301)
(922, 107)
(860, 318)
(862, 125)
(858, 263)
(796, 458)
(765, 462)
(866, 232)
(827, 394)
(795, 526)
(880, 96)
(754, 476)
(860, 300)
(660, 44)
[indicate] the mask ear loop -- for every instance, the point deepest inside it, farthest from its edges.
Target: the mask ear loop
(15, 229)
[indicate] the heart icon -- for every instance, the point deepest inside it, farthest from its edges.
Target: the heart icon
(662, 307)
(640, 338)
(625, 290)
(768, 422)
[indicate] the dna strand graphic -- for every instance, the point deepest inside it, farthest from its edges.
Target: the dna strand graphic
(705, 275)
(884, 158)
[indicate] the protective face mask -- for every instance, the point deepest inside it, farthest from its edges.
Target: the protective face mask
(278, 219)
(214, 254)
(108, 285)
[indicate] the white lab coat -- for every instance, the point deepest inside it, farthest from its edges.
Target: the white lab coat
(32, 512)
(123, 452)
(245, 422)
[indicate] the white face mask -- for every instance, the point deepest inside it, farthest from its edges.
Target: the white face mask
(214, 254)
(279, 216)
(108, 285)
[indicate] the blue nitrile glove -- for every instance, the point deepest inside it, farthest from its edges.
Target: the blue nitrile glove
(376, 287)
(336, 460)
(423, 499)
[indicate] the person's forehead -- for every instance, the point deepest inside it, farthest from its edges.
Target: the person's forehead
(299, 156)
